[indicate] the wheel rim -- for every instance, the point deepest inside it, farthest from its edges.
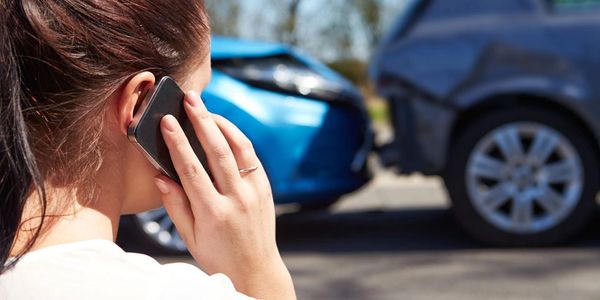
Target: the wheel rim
(158, 226)
(524, 177)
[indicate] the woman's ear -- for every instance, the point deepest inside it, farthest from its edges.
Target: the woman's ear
(130, 96)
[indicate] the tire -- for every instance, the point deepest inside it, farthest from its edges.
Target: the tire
(515, 203)
(133, 237)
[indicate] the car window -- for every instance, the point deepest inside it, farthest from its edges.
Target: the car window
(574, 5)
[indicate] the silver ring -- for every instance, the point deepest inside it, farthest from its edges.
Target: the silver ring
(248, 170)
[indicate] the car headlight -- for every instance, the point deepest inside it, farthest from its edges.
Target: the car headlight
(284, 74)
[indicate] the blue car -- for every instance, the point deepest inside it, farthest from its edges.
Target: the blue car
(308, 124)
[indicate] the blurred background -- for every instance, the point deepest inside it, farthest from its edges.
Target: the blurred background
(418, 149)
(342, 34)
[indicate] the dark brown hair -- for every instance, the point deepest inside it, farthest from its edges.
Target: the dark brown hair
(60, 60)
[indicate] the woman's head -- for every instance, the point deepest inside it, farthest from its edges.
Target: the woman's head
(72, 73)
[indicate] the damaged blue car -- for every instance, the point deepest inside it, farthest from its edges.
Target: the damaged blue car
(309, 127)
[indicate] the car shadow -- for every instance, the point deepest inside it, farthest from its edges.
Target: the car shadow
(427, 229)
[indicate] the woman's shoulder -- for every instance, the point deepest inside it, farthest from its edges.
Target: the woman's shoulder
(97, 269)
(102, 270)
(89, 254)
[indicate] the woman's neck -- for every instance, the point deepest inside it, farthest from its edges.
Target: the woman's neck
(69, 219)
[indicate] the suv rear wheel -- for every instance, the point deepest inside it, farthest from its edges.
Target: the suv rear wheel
(523, 177)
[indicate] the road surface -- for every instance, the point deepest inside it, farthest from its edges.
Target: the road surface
(396, 239)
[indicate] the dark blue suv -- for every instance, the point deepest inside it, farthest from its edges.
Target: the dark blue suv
(501, 98)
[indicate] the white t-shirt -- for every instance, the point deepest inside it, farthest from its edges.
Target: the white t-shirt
(100, 270)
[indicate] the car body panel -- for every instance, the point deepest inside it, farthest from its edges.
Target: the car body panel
(224, 47)
(458, 54)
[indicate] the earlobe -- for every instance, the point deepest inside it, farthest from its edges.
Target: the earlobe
(131, 96)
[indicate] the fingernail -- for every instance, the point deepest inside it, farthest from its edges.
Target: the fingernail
(170, 123)
(161, 185)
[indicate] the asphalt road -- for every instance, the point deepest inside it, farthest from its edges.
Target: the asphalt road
(396, 239)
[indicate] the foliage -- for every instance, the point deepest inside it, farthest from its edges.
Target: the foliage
(330, 30)
(224, 16)
(353, 69)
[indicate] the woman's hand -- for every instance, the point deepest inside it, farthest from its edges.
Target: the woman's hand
(229, 225)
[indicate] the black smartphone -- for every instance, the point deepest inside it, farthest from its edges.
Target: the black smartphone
(165, 98)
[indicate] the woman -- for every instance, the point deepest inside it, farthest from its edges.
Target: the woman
(73, 74)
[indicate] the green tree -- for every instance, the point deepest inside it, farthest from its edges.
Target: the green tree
(371, 12)
(287, 28)
(224, 16)
(336, 31)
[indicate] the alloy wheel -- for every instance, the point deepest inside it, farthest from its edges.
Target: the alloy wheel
(524, 177)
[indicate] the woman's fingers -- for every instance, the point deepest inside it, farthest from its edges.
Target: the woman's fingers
(241, 146)
(218, 153)
(193, 177)
(244, 153)
(177, 205)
